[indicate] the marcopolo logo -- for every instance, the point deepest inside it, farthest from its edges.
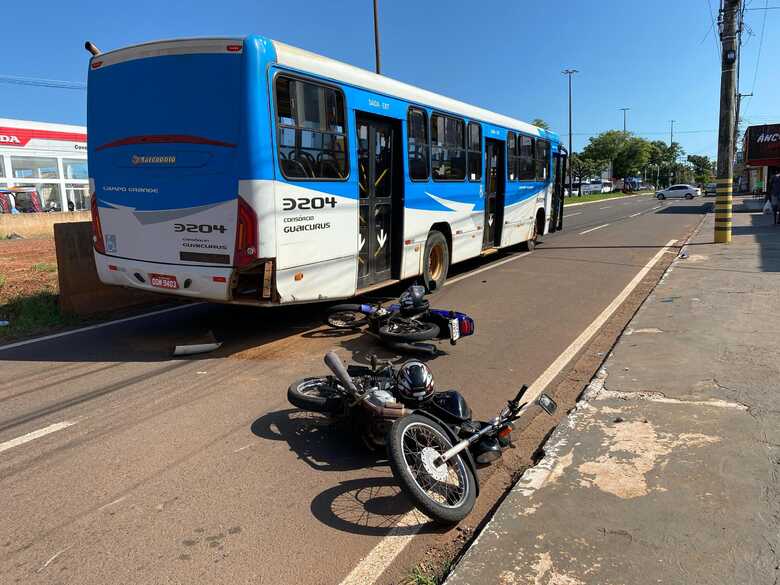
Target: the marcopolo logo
(143, 159)
(9, 139)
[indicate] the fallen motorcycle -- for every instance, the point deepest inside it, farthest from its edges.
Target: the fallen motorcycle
(409, 321)
(433, 451)
(433, 443)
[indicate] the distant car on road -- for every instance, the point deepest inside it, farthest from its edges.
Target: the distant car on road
(710, 189)
(679, 192)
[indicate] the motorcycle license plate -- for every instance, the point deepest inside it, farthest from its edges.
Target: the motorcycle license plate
(454, 329)
(164, 281)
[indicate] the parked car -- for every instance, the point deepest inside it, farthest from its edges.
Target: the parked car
(710, 189)
(679, 192)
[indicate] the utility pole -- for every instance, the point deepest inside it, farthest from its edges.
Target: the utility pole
(624, 118)
(569, 73)
(376, 37)
(728, 85)
(671, 132)
(671, 146)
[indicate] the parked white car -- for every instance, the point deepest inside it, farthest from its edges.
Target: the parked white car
(679, 192)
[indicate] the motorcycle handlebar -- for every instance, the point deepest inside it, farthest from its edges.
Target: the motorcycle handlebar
(516, 400)
(334, 364)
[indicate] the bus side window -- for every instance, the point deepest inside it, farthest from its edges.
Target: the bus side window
(526, 160)
(542, 159)
(418, 149)
(513, 164)
(475, 151)
(448, 148)
(311, 130)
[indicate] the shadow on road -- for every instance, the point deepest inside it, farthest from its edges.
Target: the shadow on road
(372, 506)
(319, 441)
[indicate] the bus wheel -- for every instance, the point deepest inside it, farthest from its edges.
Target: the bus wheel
(436, 261)
(529, 245)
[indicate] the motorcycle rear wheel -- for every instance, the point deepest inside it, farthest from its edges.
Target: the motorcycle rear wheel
(404, 330)
(445, 493)
(346, 317)
(316, 394)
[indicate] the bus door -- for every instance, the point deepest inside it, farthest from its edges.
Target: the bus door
(494, 193)
(378, 180)
(559, 177)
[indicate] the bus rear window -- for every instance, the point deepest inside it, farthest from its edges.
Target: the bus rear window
(311, 130)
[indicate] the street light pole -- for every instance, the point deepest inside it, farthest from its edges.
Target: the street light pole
(624, 118)
(376, 37)
(569, 73)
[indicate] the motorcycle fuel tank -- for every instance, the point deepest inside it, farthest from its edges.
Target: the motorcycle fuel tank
(453, 403)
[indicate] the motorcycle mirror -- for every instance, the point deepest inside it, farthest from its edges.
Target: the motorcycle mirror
(373, 362)
(432, 285)
(547, 403)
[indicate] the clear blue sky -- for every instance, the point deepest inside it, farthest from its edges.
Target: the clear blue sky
(656, 57)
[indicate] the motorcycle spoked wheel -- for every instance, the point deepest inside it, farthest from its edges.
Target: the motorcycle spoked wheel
(317, 394)
(346, 317)
(445, 493)
(404, 330)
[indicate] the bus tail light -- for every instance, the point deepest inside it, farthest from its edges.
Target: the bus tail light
(97, 231)
(246, 234)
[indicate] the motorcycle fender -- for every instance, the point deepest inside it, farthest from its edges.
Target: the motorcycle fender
(469, 457)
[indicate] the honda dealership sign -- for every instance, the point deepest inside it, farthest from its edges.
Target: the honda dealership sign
(763, 145)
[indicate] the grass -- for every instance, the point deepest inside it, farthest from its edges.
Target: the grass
(423, 574)
(598, 197)
(33, 313)
(44, 267)
(2, 280)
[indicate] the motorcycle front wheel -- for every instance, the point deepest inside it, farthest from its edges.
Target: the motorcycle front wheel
(319, 394)
(446, 493)
(346, 317)
(405, 330)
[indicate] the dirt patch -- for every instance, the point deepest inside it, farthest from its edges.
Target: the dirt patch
(27, 267)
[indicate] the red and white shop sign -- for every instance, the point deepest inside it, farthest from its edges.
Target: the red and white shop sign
(21, 136)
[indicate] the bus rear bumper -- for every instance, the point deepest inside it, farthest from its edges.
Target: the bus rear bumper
(200, 282)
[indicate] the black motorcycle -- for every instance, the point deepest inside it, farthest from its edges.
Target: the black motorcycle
(433, 445)
(409, 321)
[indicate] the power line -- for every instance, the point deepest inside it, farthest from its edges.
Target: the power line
(38, 82)
(760, 46)
(713, 27)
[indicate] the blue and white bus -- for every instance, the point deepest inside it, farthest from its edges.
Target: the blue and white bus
(249, 171)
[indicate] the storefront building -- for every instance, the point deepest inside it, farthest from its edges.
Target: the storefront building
(52, 158)
(762, 155)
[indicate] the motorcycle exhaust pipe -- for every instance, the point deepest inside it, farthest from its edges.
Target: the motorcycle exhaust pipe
(334, 365)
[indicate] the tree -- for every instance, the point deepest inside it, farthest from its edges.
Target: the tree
(703, 167)
(540, 123)
(605, 146)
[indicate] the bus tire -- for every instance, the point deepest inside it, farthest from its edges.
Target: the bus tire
(436, 261)
(530, 245)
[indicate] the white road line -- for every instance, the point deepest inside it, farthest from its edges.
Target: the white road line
(607, 207)
(98, 326)
(602, 200)
(656, 207)
(593, 229)
(565, 215)
(35, 435)
(635, 214)
(489, 267)
(371, 567)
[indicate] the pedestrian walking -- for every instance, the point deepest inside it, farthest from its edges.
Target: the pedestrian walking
(774, 196)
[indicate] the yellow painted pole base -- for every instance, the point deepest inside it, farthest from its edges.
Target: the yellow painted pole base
(723, 211)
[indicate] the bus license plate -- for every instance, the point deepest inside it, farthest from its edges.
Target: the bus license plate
(164, 281)
(454, 329)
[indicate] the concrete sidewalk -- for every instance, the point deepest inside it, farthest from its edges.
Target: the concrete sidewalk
(667, 471)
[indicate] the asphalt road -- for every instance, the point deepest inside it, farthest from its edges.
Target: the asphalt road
(161, 470)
